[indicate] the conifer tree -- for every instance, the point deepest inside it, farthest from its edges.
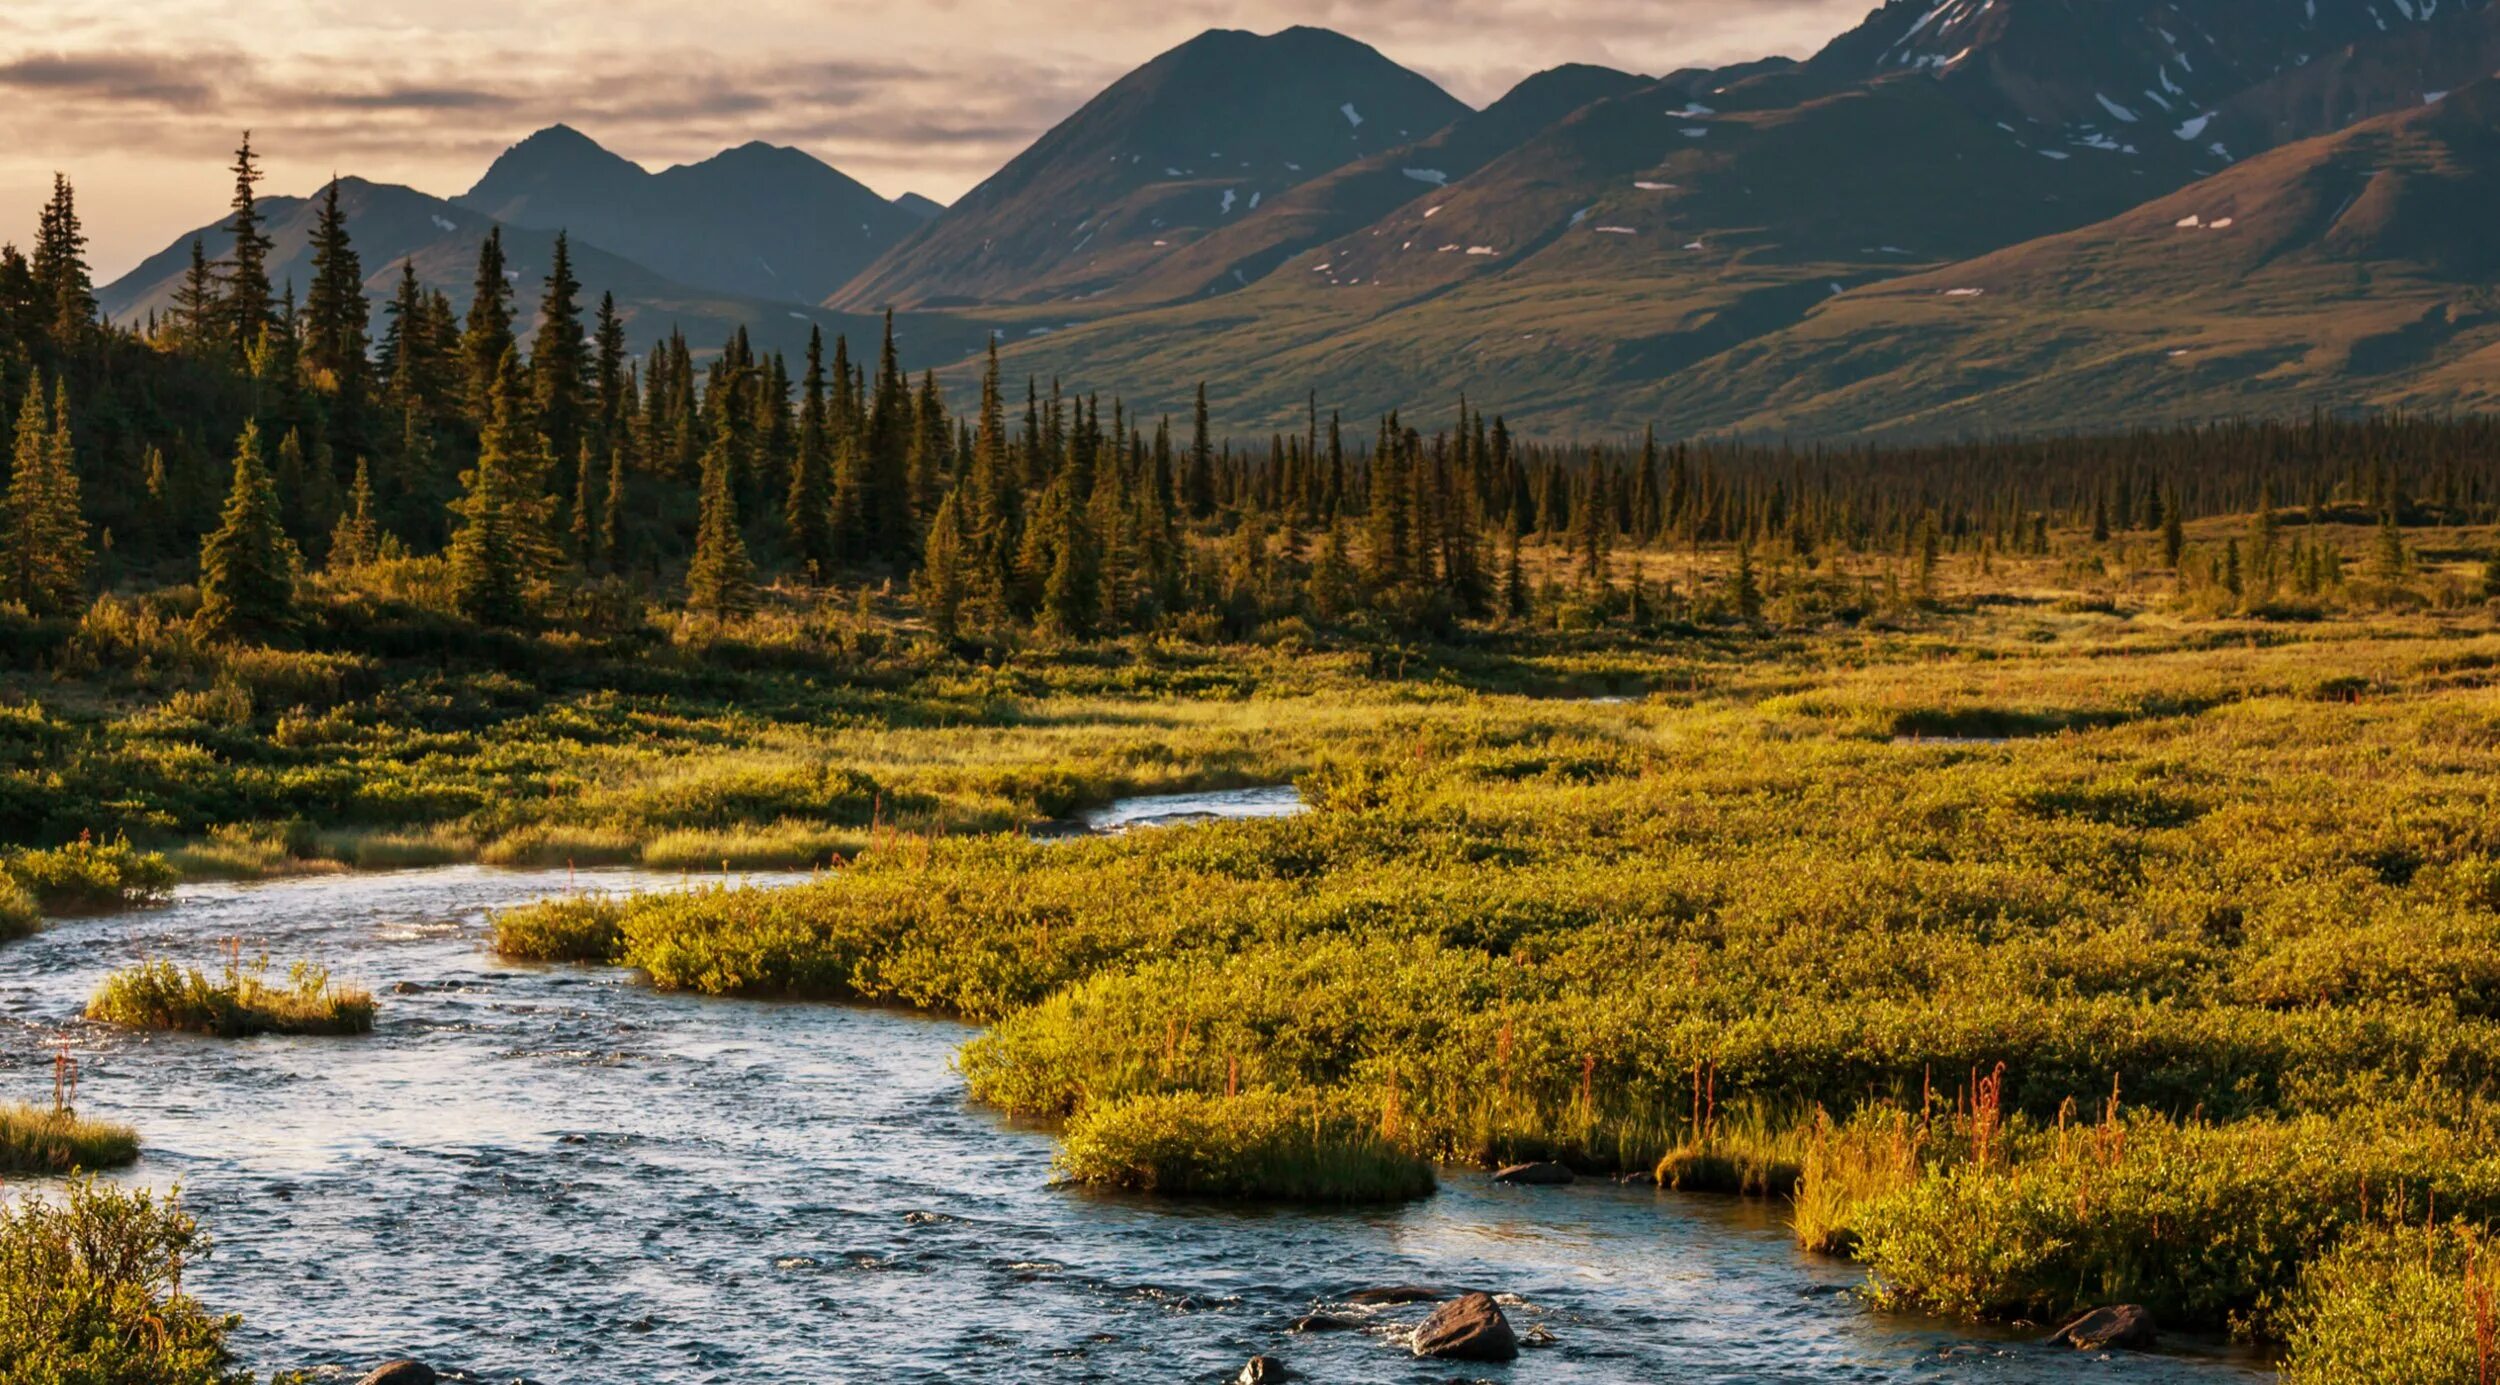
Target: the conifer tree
(2173, 534)
(489, 333)
(42, 533)
(587, 474)
(65, 292)
(943, 584)
(357, 539)
(807, 512)
(196, 303)
(560, 358)
(247, 565)
(248, 306)
(337, 320)
(1198, 478)
(721, 580)
(501, 543)
(1747, 593)
(612, 511)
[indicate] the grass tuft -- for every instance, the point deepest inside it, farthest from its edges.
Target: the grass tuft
(38, 1141)
(237, 1003)
(1257, 1145)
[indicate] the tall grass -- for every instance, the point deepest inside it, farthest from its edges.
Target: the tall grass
(237, 1002)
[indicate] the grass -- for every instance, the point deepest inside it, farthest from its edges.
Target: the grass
(238, 1002)
(1253, 1145)
(93, 1282)
(38, 1141)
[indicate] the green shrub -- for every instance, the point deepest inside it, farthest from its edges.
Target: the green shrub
(18, 915)
(91, 1293)
(1254, 1145)
(2388, 1306)
(34, 1140)
(579, 928)
(90, 877)
(238, 1003)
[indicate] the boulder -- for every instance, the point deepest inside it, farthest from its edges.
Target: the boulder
(2123, 1326)
(1540, 1175)
(1467, 1329)
(1262, 1370)
(400, 1373)
(1395, 1294)
(1324, 1321)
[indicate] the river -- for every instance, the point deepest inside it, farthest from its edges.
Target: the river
(561, 1175)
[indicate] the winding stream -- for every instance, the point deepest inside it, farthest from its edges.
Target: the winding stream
(561, 1175)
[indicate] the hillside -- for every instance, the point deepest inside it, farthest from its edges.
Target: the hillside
(759, 220)
(390, 224)
(1199, 137)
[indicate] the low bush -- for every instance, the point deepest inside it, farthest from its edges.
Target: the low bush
(91, 1293)
(577, 928)
(2397, 1306)
(89, 877)
(1254, 1145)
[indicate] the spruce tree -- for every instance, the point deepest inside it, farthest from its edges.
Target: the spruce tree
(357, 539)
(2173, 534)
(247, 566)
(489, 332)
(248, 306)
(721, 580)
(807, 512)
(500, 543)
(944, 583)
(196, 303)
(337, 320)
(560, 358)
(65, 292)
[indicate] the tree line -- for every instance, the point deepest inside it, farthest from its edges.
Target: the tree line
(244, 436)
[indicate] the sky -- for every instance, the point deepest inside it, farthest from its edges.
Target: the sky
(140, 101)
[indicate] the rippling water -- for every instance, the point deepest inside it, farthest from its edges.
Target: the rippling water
(557, 1174)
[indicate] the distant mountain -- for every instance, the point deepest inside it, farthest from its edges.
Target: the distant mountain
(757, 220)
(390, 224)
(927, 209)
(1196, 139)
(2352, 269)
(1360, 193)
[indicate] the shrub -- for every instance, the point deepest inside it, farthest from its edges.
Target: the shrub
(18, 915)
(2397, 1306)
(91, 1293)
(236, 1004)
(581, 928)
(90, 877)
(1255, 1145)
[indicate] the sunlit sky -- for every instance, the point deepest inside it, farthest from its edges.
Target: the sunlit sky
(139, 101)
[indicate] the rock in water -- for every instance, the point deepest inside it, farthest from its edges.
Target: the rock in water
(401, 1373)
(2125, 1326)
(1262, 1370)
(1467, 1329)
(1541, 1175)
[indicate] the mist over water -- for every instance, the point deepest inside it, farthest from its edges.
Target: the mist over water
(559, 1174)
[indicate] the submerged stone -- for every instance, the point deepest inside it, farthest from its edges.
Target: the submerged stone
(2125, 1326)
(401, 1373)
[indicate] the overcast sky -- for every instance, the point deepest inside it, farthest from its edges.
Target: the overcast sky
(139, 101)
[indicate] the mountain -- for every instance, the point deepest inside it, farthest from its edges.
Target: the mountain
(759, 220)
(2348, 270)
(1699, 251)
(390, 224)
(1360, 193)
(1199, 137)
(926, 209)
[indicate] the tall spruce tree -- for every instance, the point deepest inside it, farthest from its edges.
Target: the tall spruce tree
(807, 512)
(65, 292)
(501, 551)
(337, 320)
(944, 582)
(489, 333)
(247, 565)
(560, 358)
(43, 534)
(249, 306)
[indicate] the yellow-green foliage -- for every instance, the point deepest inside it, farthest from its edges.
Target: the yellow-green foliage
(34, 1140)
(578, 928)
(2390, 1306)
(86, 877)
(238, 1002)
(18, 914)
(91, 1293)
(1251, 1145)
